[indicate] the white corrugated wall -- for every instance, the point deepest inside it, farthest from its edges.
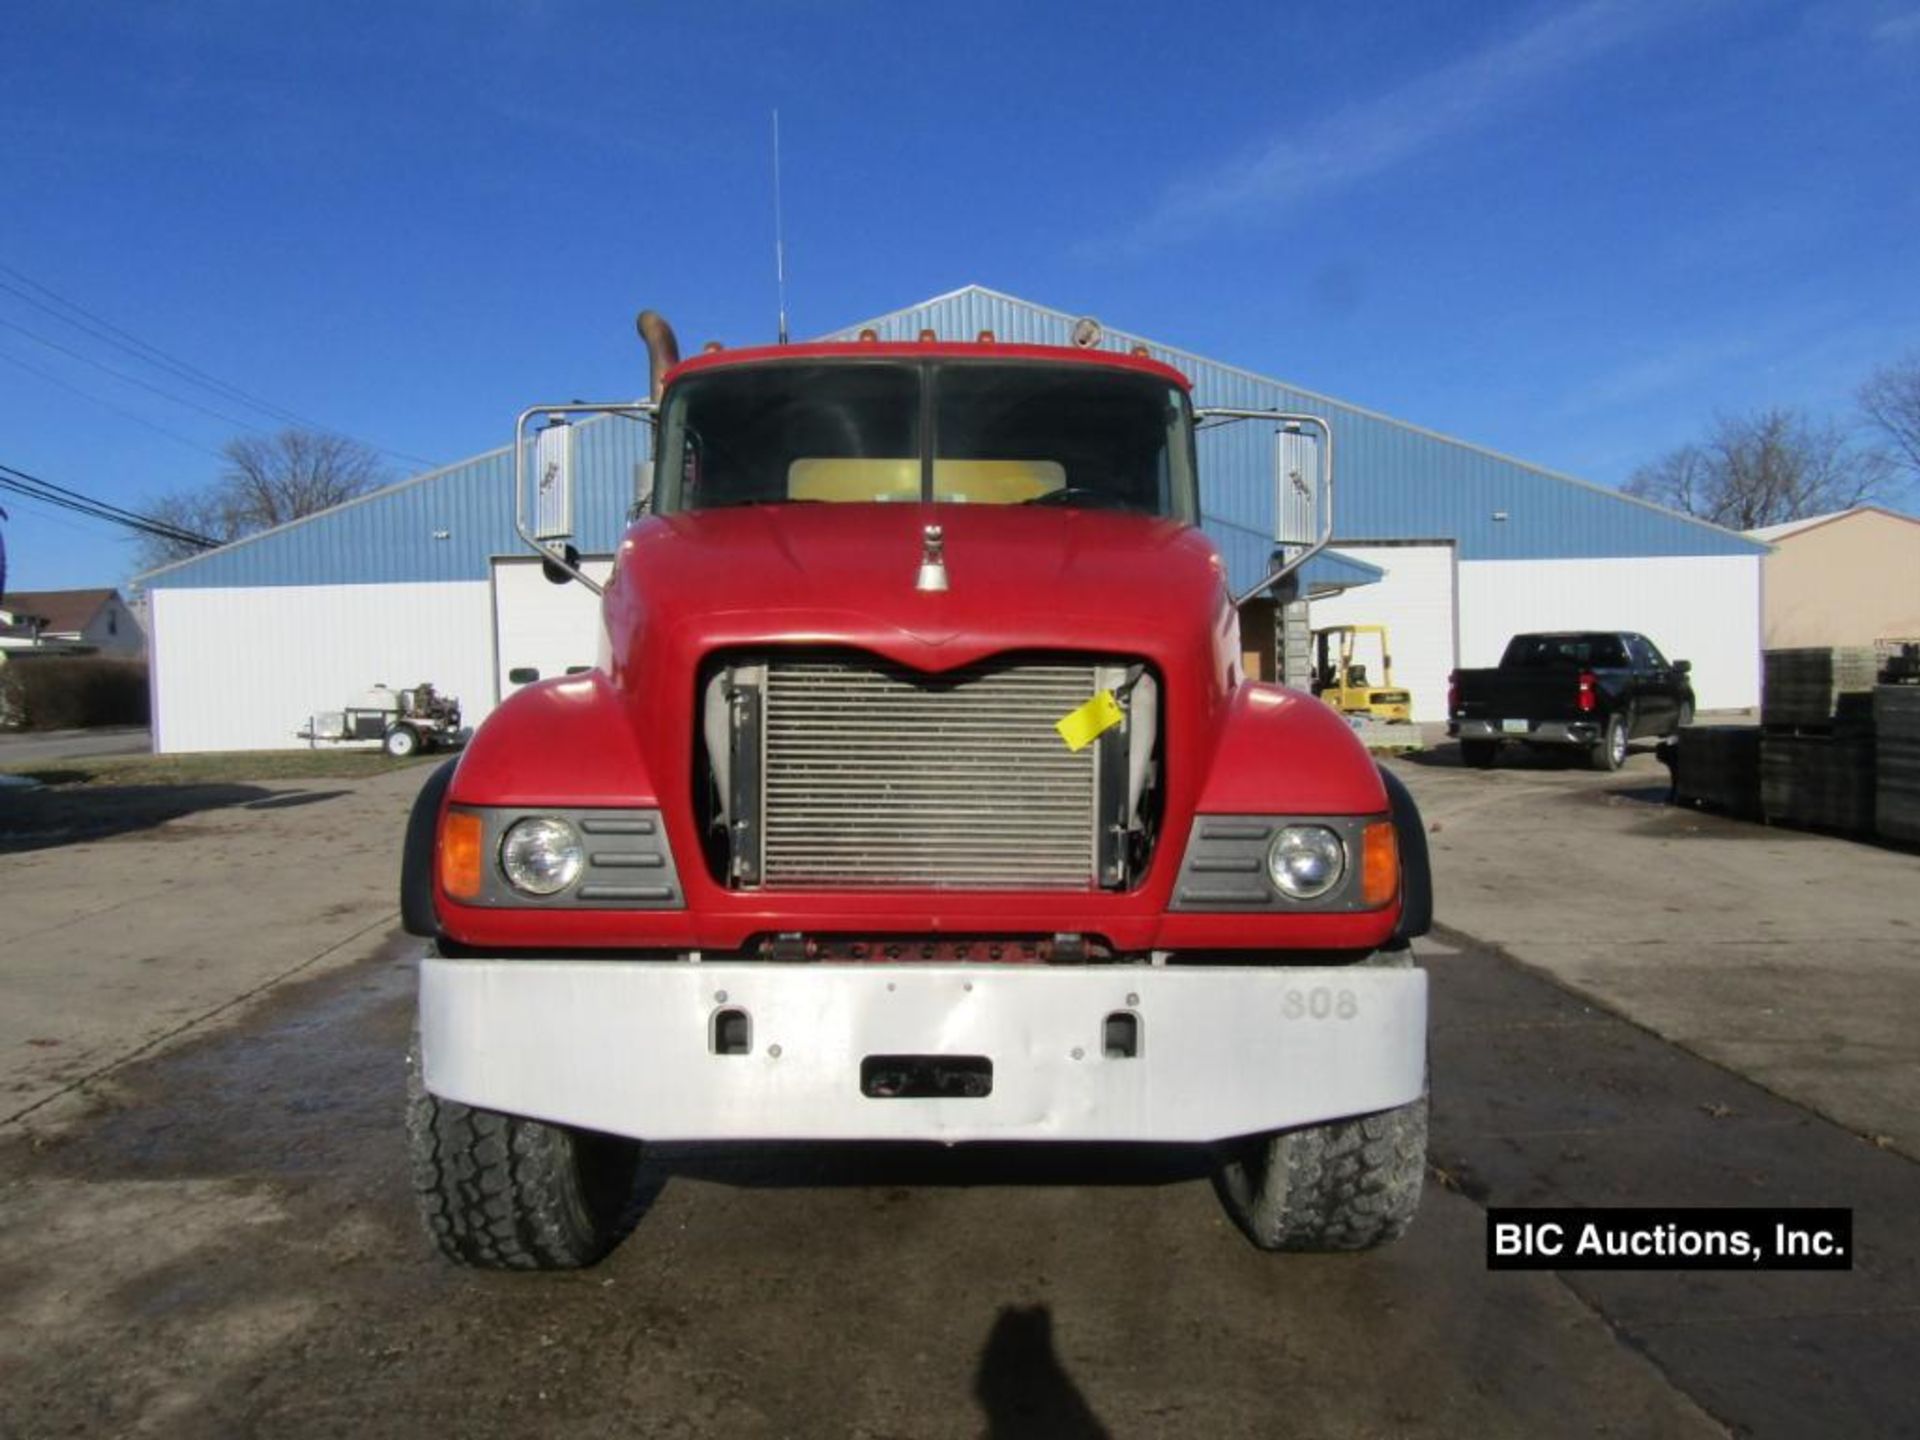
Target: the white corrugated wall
(1703, 608)
(1415, 602)
(242, 668)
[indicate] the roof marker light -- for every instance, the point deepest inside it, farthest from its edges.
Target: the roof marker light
(870, 335)
(1086, 333)
(712, 347)
(1139, 350)
(927, 337)
(985, 337)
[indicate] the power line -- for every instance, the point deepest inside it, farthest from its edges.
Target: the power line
(130, 379)
(85, 394)
(164, 532)
(46, 513)
(17, 479)
(39, 497)
(109, 333)
(32, 486)
(106, 331)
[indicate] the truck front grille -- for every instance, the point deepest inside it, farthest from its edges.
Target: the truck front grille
(875, 774)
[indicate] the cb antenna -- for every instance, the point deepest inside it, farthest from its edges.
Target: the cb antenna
(779, 233)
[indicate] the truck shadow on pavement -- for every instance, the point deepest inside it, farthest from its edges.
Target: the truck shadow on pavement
(57, 814)
(1022, 1386)
(815, 1165)
(257, 1175)
(1446, 756)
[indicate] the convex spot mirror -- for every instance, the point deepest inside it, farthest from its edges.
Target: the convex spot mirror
(554, 571)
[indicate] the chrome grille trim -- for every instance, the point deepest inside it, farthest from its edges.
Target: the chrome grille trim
(877, 775)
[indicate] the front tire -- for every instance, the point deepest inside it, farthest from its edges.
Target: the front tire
(1610, 751)
(402, 741)
(1346, 1185)
(498, 1192)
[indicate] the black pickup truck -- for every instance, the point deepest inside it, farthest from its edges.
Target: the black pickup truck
(1591, 690)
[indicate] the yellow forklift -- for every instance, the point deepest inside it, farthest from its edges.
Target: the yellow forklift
(1343, 682)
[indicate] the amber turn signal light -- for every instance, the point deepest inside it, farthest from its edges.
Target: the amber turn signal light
(1379, 865)
(460, 854)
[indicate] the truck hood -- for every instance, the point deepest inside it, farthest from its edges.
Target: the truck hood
(1018, 578)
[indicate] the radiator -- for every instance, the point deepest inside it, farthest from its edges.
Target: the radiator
(876, 775)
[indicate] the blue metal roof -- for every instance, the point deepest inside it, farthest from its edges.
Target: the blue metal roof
(1392, 481)
(1330, 572)
(443, 525)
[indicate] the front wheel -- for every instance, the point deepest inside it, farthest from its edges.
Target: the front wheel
(498, 1192)
(402, 741)
(1610, 751)
(1346, 1185)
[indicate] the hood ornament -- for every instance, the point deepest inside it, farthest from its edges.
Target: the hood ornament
(933, 560)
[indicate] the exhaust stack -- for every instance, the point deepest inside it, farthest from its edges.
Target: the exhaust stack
(663, 350)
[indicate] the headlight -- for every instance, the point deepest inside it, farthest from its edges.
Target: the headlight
(1306, 861)
(542, 855)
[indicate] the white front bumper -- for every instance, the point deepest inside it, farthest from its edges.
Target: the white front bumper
(625, 1047)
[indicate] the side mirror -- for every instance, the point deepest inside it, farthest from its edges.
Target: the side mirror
(1296, 487)
(1302, 488)
(1683, 667)
(553, 480)
(543, 502)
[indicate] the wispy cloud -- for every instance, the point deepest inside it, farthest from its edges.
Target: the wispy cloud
(1671, 367)
(1898, 29)
(1377, 134)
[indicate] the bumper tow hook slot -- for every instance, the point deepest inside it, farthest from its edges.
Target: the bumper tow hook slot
(926, 1077)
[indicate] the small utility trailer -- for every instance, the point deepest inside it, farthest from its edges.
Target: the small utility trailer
(402, 722)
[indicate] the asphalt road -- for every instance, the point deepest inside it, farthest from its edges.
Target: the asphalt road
(28, 746)
(205, 1226)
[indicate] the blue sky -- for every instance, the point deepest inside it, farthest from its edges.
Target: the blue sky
(1570, 231)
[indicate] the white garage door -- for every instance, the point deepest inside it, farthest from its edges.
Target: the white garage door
(1415, 601)
(540, 629)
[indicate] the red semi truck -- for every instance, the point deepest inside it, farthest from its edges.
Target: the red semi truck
(918, 794)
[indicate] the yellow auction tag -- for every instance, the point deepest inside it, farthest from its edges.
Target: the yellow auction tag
(1081, 727)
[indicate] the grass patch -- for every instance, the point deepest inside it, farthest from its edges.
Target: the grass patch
(219, 768)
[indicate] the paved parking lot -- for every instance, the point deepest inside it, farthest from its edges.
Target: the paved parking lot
(204, 1224)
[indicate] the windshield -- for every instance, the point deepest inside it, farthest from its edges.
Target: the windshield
(958, 432)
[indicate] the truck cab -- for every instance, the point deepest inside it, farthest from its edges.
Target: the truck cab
(917, 794)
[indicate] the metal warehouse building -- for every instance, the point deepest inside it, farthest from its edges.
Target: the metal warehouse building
(1451, 546)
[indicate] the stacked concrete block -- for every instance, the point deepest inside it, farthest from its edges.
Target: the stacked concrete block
(1719, 766)
(1814, 687)
(1817, 750)
(1896, 718)
(1822, 781)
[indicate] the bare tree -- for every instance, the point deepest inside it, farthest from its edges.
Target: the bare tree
(1763, 469)
(1890, 399)
(267, 481)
